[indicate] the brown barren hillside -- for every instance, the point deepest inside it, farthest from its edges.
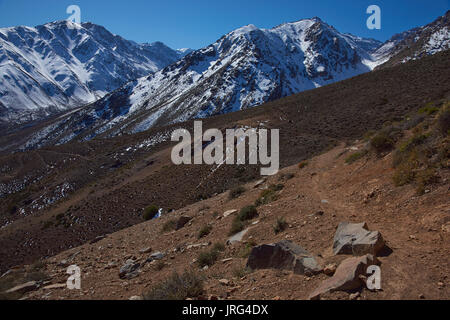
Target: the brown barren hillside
(57, 198)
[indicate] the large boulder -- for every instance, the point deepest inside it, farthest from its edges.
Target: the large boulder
(347, 276)
(356, 239)
(284, 255)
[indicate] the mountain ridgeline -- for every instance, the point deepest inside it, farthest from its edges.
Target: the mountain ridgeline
(245, 68)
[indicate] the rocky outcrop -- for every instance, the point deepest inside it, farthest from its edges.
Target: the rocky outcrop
(356, 239)
(347, 276)
(284, 255)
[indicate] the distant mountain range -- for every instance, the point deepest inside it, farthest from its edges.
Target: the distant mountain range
(62, 65)
(243, 69)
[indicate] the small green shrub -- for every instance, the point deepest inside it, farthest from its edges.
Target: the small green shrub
(355, 156)
(280, 225)
(428, 110)
(204, 231)
(248, 213)
(236, 192)
(207, 258)
(169, 225)
(269, 195)
(177, 287)
(426, 177)
(150, 212)
(381, 143)
(236, 226)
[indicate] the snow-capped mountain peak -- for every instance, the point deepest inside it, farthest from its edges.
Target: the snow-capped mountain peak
(63, 65)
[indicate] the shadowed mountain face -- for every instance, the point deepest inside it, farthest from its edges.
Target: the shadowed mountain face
(62, 65)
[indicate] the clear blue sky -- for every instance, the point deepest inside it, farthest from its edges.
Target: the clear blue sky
(197, 23)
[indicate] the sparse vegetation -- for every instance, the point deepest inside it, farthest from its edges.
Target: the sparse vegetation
(150, 212)
(355, 156)
(236, 192)
(169, 225)
(269, 195)
(381, 143)
(204, 231)
(248, 213)
(240, 272)
(236, 226)
(280, 225)
(239, 221)
(416, 160)
(177, 287)
(247, 249)
(208, 258)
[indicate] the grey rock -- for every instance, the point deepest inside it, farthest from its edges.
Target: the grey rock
(356, 239)
(284, 255)
(347, 276)
(129, 270)
(24, 288)
(157, 256)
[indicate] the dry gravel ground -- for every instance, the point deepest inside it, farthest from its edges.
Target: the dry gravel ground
(416, 229)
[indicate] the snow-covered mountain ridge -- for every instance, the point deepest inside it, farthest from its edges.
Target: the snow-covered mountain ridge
(62, 65)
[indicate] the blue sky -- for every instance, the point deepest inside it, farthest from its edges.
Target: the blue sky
(197, 23)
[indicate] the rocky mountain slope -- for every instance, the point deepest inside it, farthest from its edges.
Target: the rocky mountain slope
(63, 65)
(59, 197)
(245, 68)
(416, 43)
(314, 200)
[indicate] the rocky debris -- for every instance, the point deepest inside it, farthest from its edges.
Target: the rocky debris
(24, 288)
(224, 282)
(237, 237)
(129, 270)
(354, 296)
(55, 286)
(356, 239)
(136, 298)
(198, 245)
(182, 221)
(330, 269)
(347, 276)
(157, 255)
(229, 213)
(145, 250)
(284, 255)
(97, 239)
(259, 183)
